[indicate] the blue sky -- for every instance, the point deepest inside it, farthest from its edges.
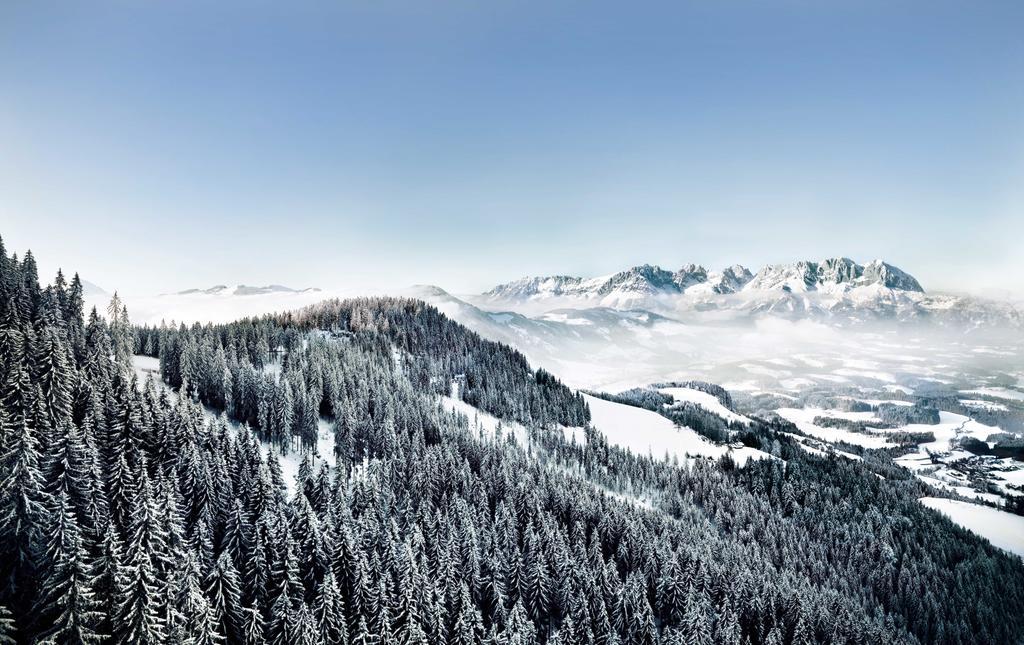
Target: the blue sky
(155, 146)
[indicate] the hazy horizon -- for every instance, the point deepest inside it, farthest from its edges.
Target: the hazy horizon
(48, 269)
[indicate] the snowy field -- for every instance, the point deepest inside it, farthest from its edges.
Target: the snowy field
(644, 432)
(921, 462)
(803, 419)
(997, 393)
(1002, 529)
(706, 401)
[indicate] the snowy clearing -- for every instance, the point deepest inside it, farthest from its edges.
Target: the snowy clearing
(803, 418)
(984, 405)
(706, 401)
(1002, 529)
(644, 432)
(997, 393)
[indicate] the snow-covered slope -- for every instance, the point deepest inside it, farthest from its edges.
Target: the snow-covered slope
(644, 432)
(706, 401)
(147, 367)
(1004, 530)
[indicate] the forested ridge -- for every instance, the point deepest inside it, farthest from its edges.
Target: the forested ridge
(128, 515)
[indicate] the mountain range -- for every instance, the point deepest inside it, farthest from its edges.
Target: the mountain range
(838, 289)
(833, 275)
(646, 323)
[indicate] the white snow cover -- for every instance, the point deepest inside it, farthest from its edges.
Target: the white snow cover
(984, 405)
(1002, 529)
(644, 432)
(997, 393)
(706, 401)
(804, 420)
(950, 426)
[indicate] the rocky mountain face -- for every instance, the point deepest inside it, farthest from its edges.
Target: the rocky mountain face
(834, 288)
(828, 275)
(831, 275)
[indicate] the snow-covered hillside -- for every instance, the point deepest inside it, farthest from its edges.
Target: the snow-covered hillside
(1004, 530)
(147, 367)
(644, 432)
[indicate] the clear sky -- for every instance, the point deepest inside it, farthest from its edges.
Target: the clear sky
(155, 146)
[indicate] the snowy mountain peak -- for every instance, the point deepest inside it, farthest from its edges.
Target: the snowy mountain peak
(835, 287)
(831, 275)
(689, 275)
(879, 272)
(90, 289)
(646, 279)
(538, 287)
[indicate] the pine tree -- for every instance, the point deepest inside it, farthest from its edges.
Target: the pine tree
(362, 635)
(252, 633)
(283, 619)
(73, 314)
(8, 632)
(696, 620)
(52, 374)
(199, 622)
(22, 512)
(535, 586)
(137, 594)
(18, 391)
(120, 331)
(329, 611)
(68, 609)
(672, 592)
(468, 627)
(223, 589)
(520, 630)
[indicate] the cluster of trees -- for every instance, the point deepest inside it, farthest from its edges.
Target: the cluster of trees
(852, 425)
(281, 373)
(901, 415)
(882, 428)
(130, 513)
(434, 349)
(837, 401)
(1007, 415)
